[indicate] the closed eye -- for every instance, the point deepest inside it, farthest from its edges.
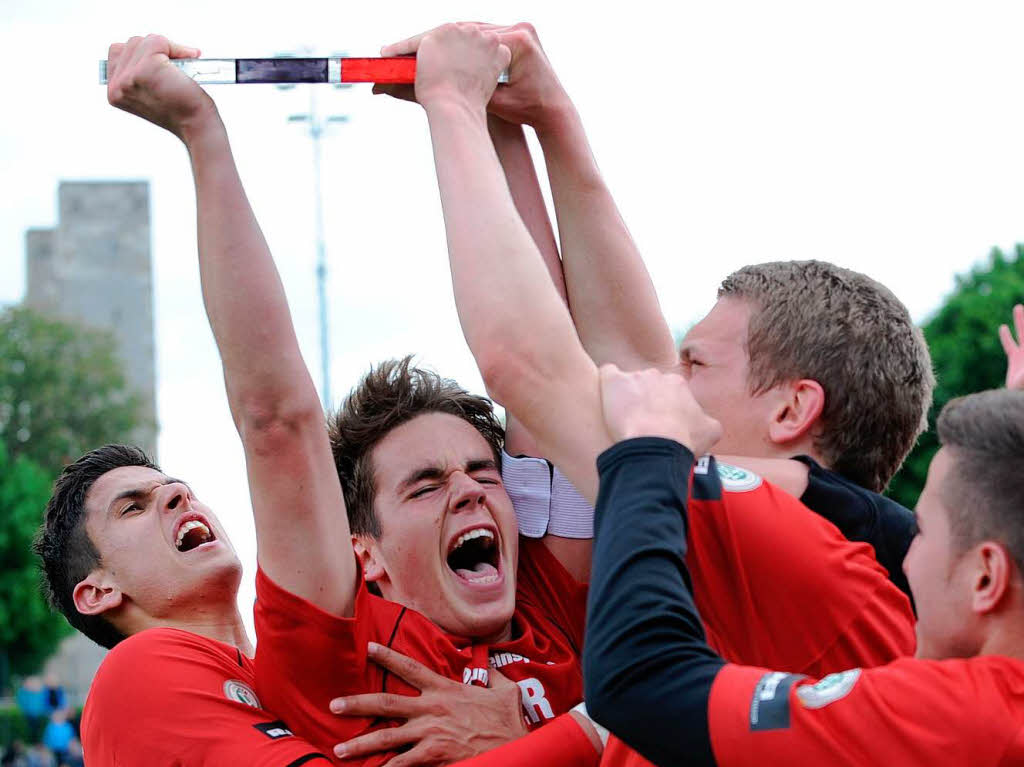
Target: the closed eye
(130, 507)
(423, 491)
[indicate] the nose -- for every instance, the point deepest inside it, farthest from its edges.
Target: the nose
(173, 497)
(467, 493)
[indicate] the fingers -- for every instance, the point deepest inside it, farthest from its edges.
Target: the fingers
(400, 91)
(384, 704)
(386, 739)
(412, 44)
(497, 680)
(1009, 346)
(114, 54)
(420, 754)
(413, 672)
(178, 51)
(405, 47)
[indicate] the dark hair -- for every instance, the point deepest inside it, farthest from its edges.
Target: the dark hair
(67, 553)
(811, 319)
(984, 490)
(390, 395)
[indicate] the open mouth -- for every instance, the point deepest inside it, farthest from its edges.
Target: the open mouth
(474, 556)
(192, 533)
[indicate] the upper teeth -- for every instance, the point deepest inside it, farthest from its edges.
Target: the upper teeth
(478, 533)
(192, 524)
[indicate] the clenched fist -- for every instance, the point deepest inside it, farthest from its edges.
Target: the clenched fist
(649, 403)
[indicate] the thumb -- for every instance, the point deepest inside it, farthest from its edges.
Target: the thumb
(504, 55)
(499, 681)
(178, 51)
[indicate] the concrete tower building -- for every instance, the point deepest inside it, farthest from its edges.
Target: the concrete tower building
(95, 269)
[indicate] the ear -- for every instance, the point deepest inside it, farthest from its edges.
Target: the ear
(799, 407)
(365, 547)
(95, 594)
(992, 578)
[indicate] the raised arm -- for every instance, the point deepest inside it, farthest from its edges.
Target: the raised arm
(612, 298)
(514, 155)
(532, 362)
(301, 527)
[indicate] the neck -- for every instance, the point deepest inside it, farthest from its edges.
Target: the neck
(222, 623)
(1004, 638)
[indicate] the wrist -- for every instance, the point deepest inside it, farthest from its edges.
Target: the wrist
(556, 119)
(201, 126)
(449, 103)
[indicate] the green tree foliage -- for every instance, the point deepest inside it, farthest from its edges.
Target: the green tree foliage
(964, 343)
(29, 631)
(62, 393)
(62, 390)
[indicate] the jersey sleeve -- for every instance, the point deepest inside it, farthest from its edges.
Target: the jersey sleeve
(778, 586)
(862, 515)
(168, 697)
(543, 582)
(306, 657)
(911, 712)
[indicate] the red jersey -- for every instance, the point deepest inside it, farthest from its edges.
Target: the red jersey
(171, 697)
(306, 657)
(779, 586)
(911, 712)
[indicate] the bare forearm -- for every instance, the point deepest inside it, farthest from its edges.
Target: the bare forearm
(513, 153)
(613, 301)
(514, 321)
(244, 298)
(496, 271)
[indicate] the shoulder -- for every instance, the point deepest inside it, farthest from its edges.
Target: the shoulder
(147, 650)
(158, 659)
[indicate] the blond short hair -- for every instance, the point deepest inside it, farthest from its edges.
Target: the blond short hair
(812, 319)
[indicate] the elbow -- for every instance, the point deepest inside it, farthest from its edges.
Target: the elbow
(505, 371)
(268, 424)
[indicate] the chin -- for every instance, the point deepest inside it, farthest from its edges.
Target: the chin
(478, 621)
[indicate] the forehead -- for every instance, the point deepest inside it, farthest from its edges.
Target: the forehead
(431, 439)
(119, 480)
(725, 324)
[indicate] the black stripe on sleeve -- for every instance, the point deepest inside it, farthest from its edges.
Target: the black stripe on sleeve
(305, 759)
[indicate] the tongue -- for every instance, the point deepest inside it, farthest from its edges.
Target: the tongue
(479, 570)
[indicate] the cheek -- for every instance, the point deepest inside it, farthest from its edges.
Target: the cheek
(415, 549)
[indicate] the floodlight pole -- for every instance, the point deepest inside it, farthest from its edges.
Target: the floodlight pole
(317, 126)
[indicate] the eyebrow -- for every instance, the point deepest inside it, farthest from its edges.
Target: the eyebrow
(143, 490)
(436, 472)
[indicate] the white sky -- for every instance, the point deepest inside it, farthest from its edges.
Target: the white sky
(883, 136)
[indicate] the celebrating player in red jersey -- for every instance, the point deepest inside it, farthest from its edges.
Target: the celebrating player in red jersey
(138, 564)
(756, 361)
(652, 678)
(436, 532)
(534, 364)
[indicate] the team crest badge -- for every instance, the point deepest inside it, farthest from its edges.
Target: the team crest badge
(828, 690)
(240, 692)
(736, 479)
